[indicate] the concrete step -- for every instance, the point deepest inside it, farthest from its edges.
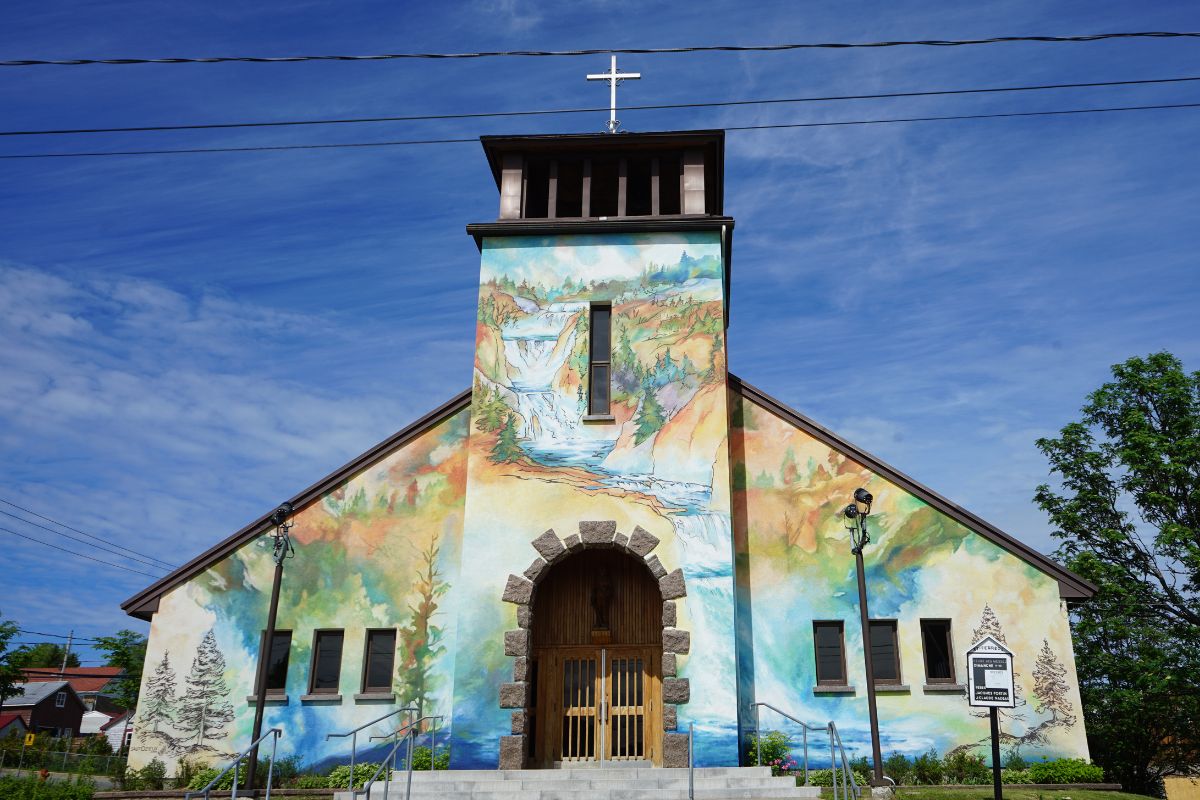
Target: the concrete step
(597, 783)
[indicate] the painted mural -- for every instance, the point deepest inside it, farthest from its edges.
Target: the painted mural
(795, 566)
(536, 463)
(379, 551)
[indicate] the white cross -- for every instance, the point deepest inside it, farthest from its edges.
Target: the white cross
(613, 79)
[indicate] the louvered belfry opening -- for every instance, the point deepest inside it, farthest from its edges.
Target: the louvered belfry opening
(596, 661)
(604, 176)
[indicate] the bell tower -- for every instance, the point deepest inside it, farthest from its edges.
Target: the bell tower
(599, 420)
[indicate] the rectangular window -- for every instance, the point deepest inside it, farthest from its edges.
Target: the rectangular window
(276, 662)
(600, 360)
(60, 700)
(381, 657)
(830, 649)
(939, 651)
(327, 662)
(885, 651)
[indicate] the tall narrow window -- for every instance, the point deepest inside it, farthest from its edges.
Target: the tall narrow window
(600, 361)
(939, 652)
(829, 645)
(60, 700)
(885, 651)
(381, 657)
(276, 662)
(327, 662)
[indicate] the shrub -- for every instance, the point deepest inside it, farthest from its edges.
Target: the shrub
(1015, 762)
(927, 769)
(423, 756)
(32, 788)
(965, 768)
(312, 782)
(1066, 770)
(898, 768)
(1015, 776)
(824, 777)
(340, 776)
(774, 747)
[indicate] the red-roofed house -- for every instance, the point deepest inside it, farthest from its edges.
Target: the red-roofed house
(94, 685)
(11, 724)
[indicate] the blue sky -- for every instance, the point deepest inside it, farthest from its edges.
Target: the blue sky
(188, 340)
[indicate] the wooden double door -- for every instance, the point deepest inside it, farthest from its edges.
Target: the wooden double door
(597, 703)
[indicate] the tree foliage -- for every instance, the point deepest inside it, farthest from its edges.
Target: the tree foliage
(125, 649)
(44, 655)
(1127, 515)
(10, 673)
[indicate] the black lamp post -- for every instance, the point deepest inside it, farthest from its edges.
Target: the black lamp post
(282, 550)
(856, 522)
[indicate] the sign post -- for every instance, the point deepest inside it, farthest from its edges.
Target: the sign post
(990, 685)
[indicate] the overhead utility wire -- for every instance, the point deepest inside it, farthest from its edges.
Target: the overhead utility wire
(545, 112)
(56, 635)
(80, 555)
(83, 533)
(102, 548)
(269, 148)
(1095, 37)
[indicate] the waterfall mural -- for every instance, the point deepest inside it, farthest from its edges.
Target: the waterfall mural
(661, 462)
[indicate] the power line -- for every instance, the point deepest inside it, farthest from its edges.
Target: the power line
(82, 533)
(406, 142)
(84, 541)
(56, 635)
(547, 112)
(80, 555)
(1096, 37)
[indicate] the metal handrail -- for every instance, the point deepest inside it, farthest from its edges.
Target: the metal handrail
(835, 748)
(691, 761)
(389, 761)
(275, 733)
(354, 737)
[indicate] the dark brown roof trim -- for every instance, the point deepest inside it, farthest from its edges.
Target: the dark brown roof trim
(1070, 585)
(555, 227)
(145, 602)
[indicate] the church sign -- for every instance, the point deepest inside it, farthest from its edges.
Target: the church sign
(990, 675)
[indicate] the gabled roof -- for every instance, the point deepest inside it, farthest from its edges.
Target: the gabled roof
(1070, 585)
(117, 719)
(84, 680)
(30, 694)
(8, 719)
(145, 602)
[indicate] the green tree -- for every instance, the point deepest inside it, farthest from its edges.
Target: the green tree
(651, 418)
(1126, 511)
(10, 672)
(125, 649)
(44, 655)
(506, 448)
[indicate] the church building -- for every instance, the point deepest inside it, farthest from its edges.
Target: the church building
(607, 537)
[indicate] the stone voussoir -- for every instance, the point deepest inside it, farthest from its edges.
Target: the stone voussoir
(516, 643)
(669, 616)
(517, 590)
(513, 695)
(676, 691)
(641, 541)
(573, 542)
(535, 569)
(669, 665)
(672, 585)
(512, 752)
(518, 722)
(524, 616)
(549, 546)
(597, 532)
(656, 567)
(670, 718)
(676, 641)
(521, 668)
(620, 541)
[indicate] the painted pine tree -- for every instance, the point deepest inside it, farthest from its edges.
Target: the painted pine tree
(506, 448)
(1051, 693)
(421, 640)
(204, 710)
(158, 703)
(651, 418)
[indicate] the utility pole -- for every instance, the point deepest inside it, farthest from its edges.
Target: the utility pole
(282, 551)
(66, 653)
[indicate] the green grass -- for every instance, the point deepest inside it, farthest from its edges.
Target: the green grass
(1049, 792)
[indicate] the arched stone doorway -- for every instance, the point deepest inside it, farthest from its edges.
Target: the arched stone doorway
(594, 670)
